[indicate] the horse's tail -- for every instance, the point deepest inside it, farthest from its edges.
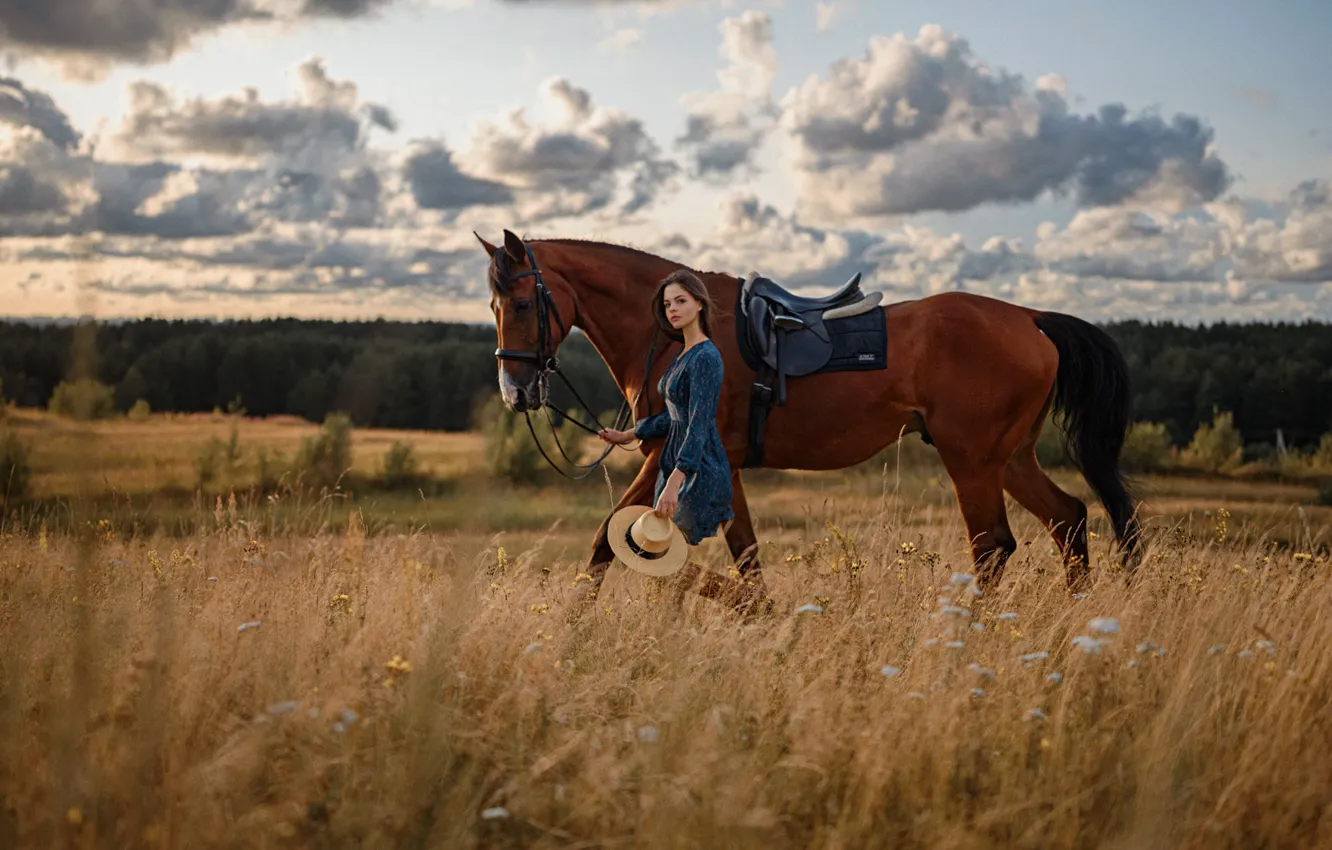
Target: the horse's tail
(1094, 393)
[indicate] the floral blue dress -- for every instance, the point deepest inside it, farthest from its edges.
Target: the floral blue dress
(691, 386)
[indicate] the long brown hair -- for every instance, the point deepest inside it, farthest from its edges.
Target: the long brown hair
(690, 282)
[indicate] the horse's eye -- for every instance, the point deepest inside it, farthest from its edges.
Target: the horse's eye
(522, 306)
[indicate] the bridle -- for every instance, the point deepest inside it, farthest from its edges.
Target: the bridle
(546, 363)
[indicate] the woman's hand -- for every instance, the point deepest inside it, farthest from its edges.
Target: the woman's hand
(610, 435)
(670, 496)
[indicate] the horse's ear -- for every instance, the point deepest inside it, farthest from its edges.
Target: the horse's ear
(490, 249)
(514, 246)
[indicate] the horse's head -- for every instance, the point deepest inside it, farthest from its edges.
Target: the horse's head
(533, 309)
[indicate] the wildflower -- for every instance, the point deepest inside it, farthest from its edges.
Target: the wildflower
(983, 672)
(809, 608)
(932, 641)
(648, 734)
(496, 813)
(890, 671)
(1216, 649)
(253, 624)
(533, 647)
(961, 579)
(954, 610)
(1008, 615)
(1103, 626)
(978, 692)
(1031, 657)
(278, 709)
(1246, 654)
(1090, 645)
(1055, 677)
(978, 627)
(1147, 646)
(1265, 645)
(74, 815)
(955, 644)
(1034, 714)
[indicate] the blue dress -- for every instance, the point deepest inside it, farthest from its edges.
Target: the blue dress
(691, 386)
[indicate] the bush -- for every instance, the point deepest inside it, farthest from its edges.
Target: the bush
(324, 459)
(400, 466)
(1050, 449)
(15, 471)
(510, 451)
(1322, 456)
(83, 399)
(1147, 448)
(139, 411)
(1216, 447)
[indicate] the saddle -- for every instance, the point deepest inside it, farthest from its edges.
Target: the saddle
(783, 335)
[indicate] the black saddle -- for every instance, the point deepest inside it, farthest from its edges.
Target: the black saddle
(772, 293)
(785, 335)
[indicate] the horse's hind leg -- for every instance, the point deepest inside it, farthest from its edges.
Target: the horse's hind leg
(1065, 516)
(980, 497)
(743, 543)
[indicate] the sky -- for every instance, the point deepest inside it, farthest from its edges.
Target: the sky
(332, 158)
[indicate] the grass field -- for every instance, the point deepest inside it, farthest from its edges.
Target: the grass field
(399, 670)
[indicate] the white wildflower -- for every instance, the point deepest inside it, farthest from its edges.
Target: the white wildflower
(1103, 626)
(496, 813)
(890, 671)
(809, 608)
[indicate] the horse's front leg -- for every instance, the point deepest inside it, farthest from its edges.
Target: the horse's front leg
(640, 492)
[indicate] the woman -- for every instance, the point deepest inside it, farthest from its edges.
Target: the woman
(694, 478)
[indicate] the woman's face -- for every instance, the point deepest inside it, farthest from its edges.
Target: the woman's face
(681, 307)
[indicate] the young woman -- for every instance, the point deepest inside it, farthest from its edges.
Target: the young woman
(694, 479)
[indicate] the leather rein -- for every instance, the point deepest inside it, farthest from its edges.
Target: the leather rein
(547, 364)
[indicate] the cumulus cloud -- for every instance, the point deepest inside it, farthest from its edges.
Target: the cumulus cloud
(595, 159)
(919, 124)
(437, 184)
(726, 127)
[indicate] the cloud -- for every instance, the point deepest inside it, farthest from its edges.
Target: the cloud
(726, 127)
(437, 184)
(23, 107)
(87, 37)
(595, 159)
(621, 40)
(826, 14)
(919, 124)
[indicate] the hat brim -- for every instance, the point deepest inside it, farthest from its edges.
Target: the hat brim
(674, 558)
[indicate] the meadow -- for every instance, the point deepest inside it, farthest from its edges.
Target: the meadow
(370, 667)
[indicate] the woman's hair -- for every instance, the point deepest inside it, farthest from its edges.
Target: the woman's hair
(690, 282)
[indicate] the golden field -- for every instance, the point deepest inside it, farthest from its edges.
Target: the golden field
(401, 670)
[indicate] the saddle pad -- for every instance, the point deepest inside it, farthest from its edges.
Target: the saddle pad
(860, 343)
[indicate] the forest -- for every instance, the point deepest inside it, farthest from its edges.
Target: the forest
(437, 375)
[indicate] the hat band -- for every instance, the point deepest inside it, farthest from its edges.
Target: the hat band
(640, 551)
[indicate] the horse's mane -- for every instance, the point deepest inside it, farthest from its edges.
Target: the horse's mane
(500, 270)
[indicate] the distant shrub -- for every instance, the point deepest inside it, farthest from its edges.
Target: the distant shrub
(83, 399)
(1146, 448)
(1050, 445)
(139, 411)
(400, 466)
(1324, 496)
(1322, 456)
(208, 461)
(510, 452)
(323, 459)
(1217, 446)
(15, 470)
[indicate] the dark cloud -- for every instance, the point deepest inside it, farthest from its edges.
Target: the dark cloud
(23, 107)
(89, 35)
(23, 193)
(437, 184)
(918, 125)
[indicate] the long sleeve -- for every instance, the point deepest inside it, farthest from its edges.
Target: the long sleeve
(656, 425)
(705, 383)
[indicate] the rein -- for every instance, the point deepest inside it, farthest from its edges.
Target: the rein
(547, 364)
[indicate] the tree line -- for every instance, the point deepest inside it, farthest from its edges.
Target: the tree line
(439, 375)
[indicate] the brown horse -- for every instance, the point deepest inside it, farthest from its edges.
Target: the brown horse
(974, 375)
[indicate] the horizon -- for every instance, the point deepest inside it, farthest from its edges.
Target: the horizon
(1115, 164)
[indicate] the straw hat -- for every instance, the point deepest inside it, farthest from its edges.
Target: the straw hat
(647, 543)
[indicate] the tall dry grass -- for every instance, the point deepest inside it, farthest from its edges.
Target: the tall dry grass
(424, 691)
